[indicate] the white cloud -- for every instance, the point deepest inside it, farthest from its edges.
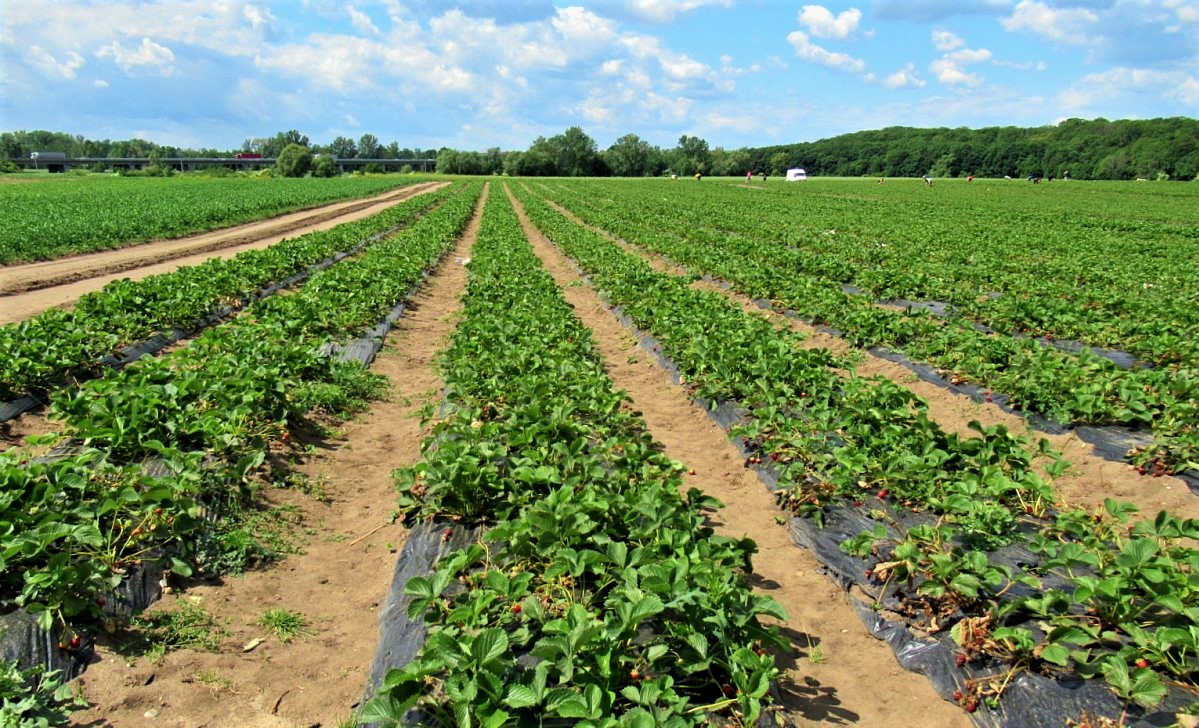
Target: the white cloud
(951, 74)
(361, 21)
(1184, 11)
(664, 11)
(1068, 25)
(53, 67)
(679, 71)
(1176, 87)
(950, 67)
(823, 24)
(231, 27)
(904, 78)
(809, 51)
(1185, 92)
(576, 25)
(1025, 66)
(148, 55)
(742, 122)
(943, 40)
(259, 19)
(100, 83)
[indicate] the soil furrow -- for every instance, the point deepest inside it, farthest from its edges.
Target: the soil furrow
(338, 582)
(836, 673)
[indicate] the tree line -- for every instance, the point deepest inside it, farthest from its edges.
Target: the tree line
(19, 144)
(1086, 149)
(1096, 149)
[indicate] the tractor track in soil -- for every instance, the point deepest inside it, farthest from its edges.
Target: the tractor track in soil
(31, 288)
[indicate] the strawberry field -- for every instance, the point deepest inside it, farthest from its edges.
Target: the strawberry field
(598, 592)
(83, 214)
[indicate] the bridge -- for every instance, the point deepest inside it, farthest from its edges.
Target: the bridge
(190, 164)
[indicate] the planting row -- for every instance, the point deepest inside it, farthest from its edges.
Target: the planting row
(1085, 594)
(598, 594)
(96, 213)
(207, 416)
(1100, 263)
(1081, 388)
(42, 352)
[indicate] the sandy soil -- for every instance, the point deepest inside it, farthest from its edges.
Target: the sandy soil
(28, 289)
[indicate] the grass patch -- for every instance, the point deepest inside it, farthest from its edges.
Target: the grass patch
(285, 624)
(187, 627)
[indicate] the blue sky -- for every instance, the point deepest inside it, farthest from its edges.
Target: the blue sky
(473, 75)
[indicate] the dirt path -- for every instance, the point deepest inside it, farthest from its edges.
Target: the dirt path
(338, 583)
(1090, 478)
(27, 290)
(838, 674)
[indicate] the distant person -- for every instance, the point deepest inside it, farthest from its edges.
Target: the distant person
(928, 181)
(749, 176)
(1065, 175)
(764, 175)
(699, 176)
(970, 178)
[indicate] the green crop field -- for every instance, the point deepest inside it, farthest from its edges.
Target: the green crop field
(602, 589)
(54, 217)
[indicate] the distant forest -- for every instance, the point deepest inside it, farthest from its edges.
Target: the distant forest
(1158, 149)
(1099, 149)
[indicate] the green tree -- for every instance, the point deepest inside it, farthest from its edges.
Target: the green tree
(274, 146)
(693, 155)
(629, 156)
(572, 153)
(778, 163)
(325, 166)
(368, 146)
(343, 148)
(294, 160)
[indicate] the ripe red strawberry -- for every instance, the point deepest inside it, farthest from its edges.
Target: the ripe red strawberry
(75, 642)
(728, 690)
(884, 493)
(516, 609)
(1142, 663)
